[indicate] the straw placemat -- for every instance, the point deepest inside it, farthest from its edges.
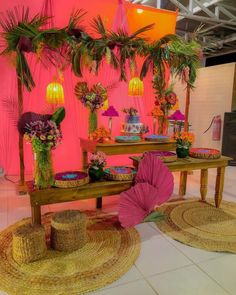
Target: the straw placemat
(200, 224)
(109, 253)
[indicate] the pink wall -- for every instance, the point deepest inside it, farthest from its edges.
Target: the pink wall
(67, 156)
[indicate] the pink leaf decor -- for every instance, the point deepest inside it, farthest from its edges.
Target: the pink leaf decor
(154, 186)
(136, 203)
(153, 171)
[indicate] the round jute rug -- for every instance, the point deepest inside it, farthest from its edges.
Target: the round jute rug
(200, 224)
(108, 254)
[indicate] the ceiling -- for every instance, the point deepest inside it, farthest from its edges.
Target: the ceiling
(214, 20)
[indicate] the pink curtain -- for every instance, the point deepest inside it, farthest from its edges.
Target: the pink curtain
(67, 156)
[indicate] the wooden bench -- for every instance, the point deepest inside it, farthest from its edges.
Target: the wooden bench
(108, 188)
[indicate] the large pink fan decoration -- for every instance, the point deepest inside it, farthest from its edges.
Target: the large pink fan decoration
(153, 171)
(136, 203)
(154, 186)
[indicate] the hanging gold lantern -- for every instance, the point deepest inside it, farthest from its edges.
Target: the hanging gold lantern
(135, 87)
(55, 93)
(105, 105)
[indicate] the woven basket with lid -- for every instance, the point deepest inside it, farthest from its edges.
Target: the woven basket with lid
(68, 230)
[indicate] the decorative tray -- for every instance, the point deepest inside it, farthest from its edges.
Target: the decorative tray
(127, 138)
(204, 153)
(120, 173)
(158, 138)
(71, 179)
(166, 157)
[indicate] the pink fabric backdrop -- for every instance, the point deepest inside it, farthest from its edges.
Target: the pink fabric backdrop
(67, 156)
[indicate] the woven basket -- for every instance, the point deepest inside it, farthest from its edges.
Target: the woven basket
(165, 156)
(68, 230)
(119, 176)
(67, 183)
(204, 153)
(157, 138)
(28, 243)
(127, 139)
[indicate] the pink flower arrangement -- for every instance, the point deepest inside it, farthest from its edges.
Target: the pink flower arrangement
(98, 159)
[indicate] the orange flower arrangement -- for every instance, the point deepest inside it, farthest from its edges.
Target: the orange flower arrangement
(101, 135)
(157, 112)
(184, 139)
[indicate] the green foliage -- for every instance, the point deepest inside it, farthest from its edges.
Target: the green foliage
(154, 216)
(23, 34)
(58, 115)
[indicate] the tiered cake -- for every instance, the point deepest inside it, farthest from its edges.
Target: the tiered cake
(132, 125)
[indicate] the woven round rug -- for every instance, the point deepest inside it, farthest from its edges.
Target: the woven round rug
(109, 253)
(200, 224)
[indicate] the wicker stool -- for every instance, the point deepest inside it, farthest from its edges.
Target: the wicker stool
(28, 243)
(68, 230)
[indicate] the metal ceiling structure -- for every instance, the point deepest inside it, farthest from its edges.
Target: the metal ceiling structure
(215, 21)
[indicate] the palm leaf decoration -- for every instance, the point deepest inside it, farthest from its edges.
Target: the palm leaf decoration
(128, 47)
(103, 47)
(184, 56)
(19, 33)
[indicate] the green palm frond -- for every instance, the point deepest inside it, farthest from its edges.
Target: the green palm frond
(76, 18)
(99, 27)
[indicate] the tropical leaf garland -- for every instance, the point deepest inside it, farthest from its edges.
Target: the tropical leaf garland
(73, 45)
(19, 31)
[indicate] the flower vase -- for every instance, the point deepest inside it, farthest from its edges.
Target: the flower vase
(182, 152)
(160, 125)
(93, 121)
(95, 172)
(154, 125)
(43, 170)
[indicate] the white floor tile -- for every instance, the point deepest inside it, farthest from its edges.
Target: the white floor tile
(140, 287)
(223, 270)
(195, 254)
(146, 231)
(185, 281)
(158, 255)
(132, 275)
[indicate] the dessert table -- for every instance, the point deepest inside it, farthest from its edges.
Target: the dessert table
(117, 148)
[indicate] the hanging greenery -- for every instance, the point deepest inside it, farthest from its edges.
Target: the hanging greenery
(23, 34)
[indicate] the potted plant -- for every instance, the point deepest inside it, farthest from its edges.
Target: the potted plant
(183, 140)
(97, 162)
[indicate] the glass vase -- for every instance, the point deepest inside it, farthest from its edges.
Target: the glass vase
(43, 169)
(93, 121)
(182, 152)
(95, 172)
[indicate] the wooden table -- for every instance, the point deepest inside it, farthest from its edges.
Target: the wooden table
(189, 164)
(115, 148)
(108, 188)
(59, 195)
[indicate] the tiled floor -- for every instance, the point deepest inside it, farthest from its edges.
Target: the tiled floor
(165, 266)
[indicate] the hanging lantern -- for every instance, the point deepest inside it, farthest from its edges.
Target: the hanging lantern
(135, 87)
(105, 105)
(55, 93)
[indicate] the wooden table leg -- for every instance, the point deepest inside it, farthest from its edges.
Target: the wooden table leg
(220, 177)
(84, 160)
(183, 183)
(99, 203)
(203, 183)
(35, 215)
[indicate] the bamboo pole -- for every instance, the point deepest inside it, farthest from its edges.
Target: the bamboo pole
(20, 142)
(187, 103)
